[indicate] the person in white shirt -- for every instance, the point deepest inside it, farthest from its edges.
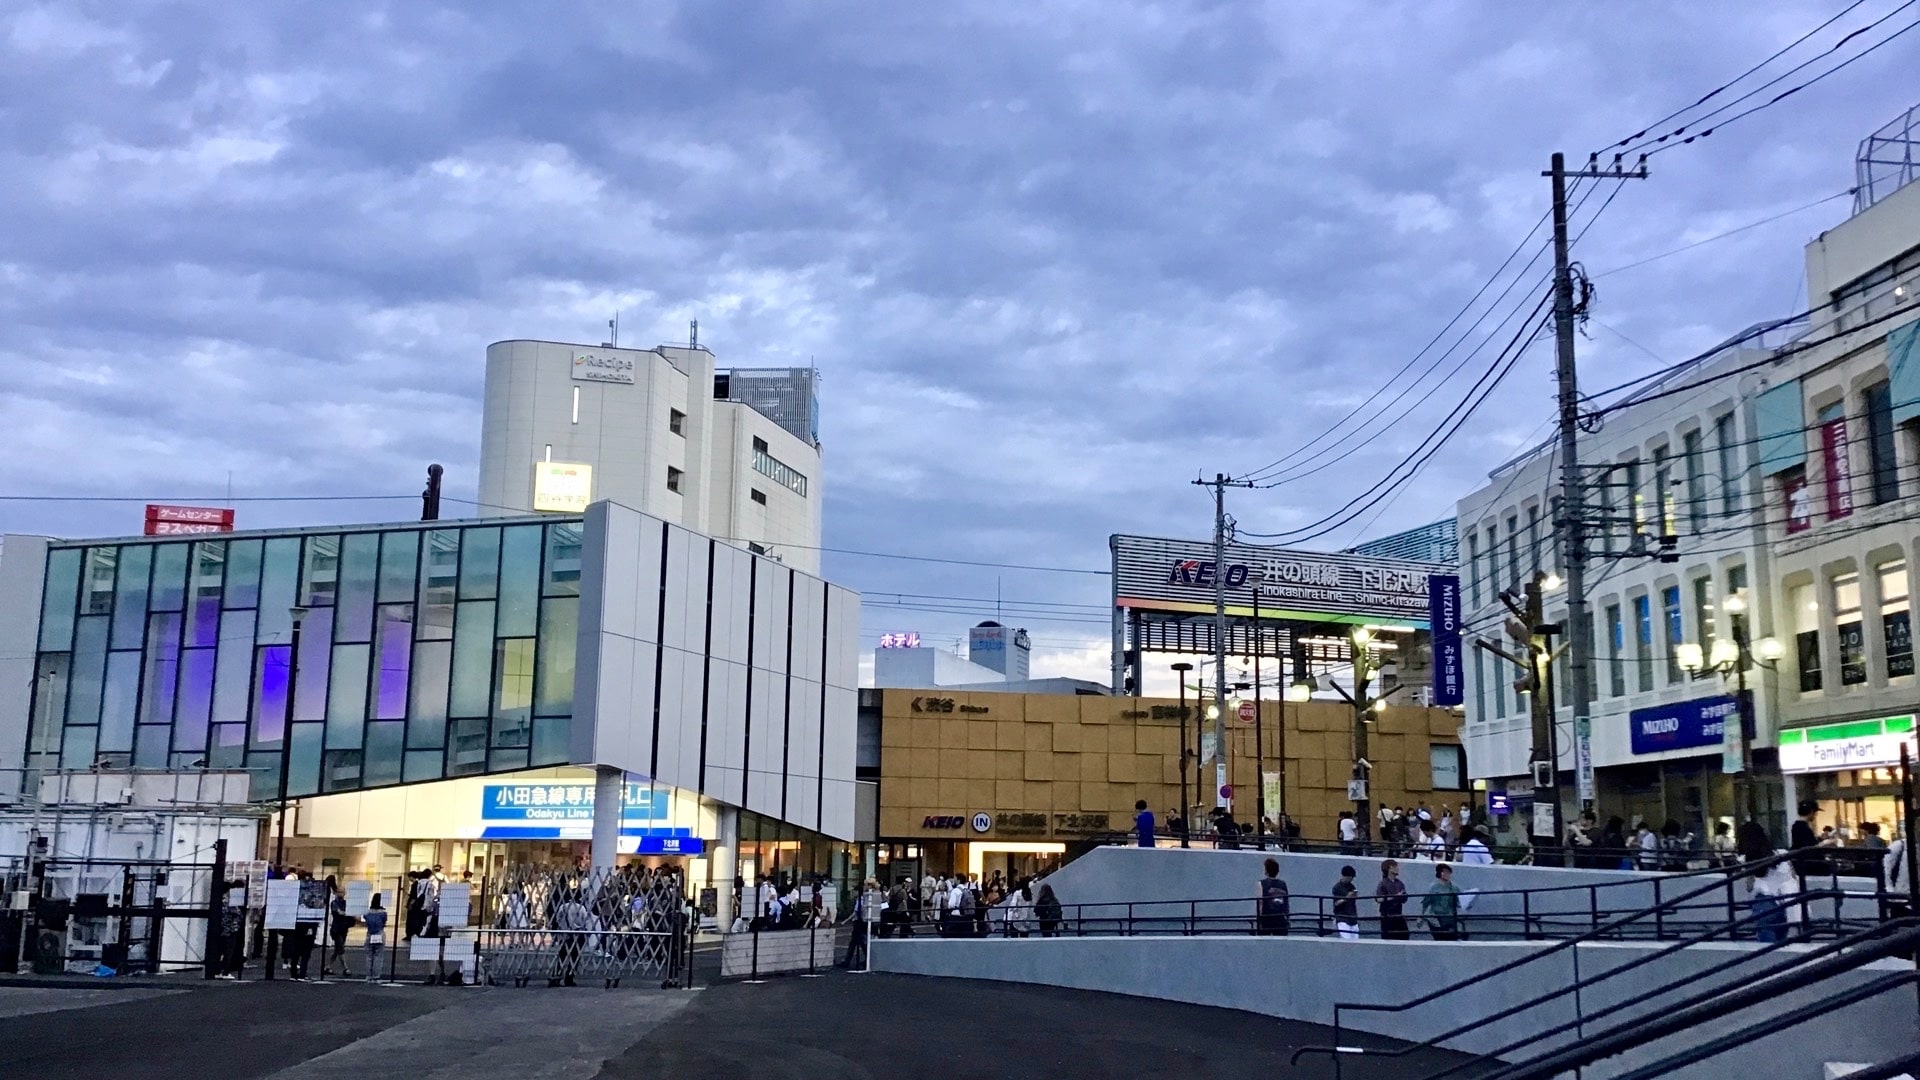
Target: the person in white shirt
(1446, 827)
(1649, 844)
(1428, 846)
(1899, 902)
(1474, 852)
(1349, 832)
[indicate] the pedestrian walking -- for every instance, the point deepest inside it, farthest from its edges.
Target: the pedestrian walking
(1346, 906)
(1391, 895)
(857, 947)
(1142, 823)
(233, 930)
(338, 923)
(1046, 908)
(376, 944)
(1441, 905)
(1273, 906)
(1349, 833)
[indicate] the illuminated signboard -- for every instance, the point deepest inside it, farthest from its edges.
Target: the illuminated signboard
(165, 520)
(563, 487)
(909, 639)
(1178, 576)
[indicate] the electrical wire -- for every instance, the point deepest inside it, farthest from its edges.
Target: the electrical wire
(1730, 83)
(1722, 236)
(1662, 144)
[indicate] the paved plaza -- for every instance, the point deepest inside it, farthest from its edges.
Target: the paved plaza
(835, 1026)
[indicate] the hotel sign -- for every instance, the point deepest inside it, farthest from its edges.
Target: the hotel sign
(1158, 574)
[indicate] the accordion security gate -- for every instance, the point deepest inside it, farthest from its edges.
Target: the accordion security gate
(566, 925)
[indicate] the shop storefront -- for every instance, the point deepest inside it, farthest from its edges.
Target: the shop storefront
(1685, 756)
(1851, 768)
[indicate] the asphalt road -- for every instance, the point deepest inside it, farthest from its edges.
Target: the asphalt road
(836, 1026)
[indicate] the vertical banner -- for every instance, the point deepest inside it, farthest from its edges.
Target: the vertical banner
(1449, 663)
(1834, 454)
(1583, 759)
(1270, 790)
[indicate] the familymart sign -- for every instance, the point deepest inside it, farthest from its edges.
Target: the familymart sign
(1856, 744)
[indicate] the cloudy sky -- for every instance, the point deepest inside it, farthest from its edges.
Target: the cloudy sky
(1053, 259)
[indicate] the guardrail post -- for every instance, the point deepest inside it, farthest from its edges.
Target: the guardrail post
(1659, 913)
(1526, 915)
(1593, 906)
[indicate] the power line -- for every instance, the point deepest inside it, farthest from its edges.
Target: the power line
(1730, 83)
(1662, 144)
(1770, 219)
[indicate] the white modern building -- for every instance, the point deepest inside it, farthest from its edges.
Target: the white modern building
(460, 693)
(1672, 521)
(1754, 518)
(1839, 483)
(734, 454)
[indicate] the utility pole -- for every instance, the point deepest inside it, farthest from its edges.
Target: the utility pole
(1220, 483)
(1573, 553)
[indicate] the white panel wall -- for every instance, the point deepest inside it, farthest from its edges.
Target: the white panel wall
(23, 570)
(775, 767)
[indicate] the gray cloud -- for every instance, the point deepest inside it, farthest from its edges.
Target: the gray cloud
(1054, 259)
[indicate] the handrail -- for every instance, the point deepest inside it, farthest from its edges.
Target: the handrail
(1773, 1025)
(1832, 959)
(1740, 958)
(1745, 869)
(1887, 1070)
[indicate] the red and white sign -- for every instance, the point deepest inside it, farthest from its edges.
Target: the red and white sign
(1833, 448)
(165, 520)
(1246, 712)
(1799, 505)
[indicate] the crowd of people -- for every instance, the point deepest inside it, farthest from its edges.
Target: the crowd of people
(1442, 905)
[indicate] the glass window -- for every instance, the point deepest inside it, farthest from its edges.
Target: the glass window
(150, 746)
(1513, 549)
(1493, 559)
(472, 659)
(233, 672)
(100, 575)
(203, 610)
(1703, 613)
(347, 696)
(279, 584)
(196, 700)
(56, 604)
(1479, 685)
(673, 478)
(563, 560)
(316, 655)
(1884, 465)
(1533, 537)
(385, 753)
(559, 630)
(550, 740)
(340, 769)
(439, 583)
(1804, 615)
(1663, 491)
(243, 572)
(1693, 467)
(519, 580)
(89, 670)
(303, 766)
(424, 764)
(169, 577)
(77, 747)
(1617, 652)
(320, 571)
(1846, 619)
(130, 596)
(1737, 621)
(392, 656)
(229, 747)
(513, 692)
(466, 747)
(163, 668)
(479, 564)
(1894, 624)
(1473, 569)
(1636, 499)
(1676, 629)
(118, 699)
(1724, 442)
(270, 703)
(399, 556)
(427, 719)
(359, 576)
(1643, 623)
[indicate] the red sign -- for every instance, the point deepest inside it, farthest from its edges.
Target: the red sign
(1799, 505)
(165, 520)
(1833, 446)
(1246, 712)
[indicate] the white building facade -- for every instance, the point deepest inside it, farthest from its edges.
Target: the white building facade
(1678, 463)
(653, 429)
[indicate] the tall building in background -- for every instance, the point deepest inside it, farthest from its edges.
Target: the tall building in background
(1002, 648)
(732, 453)
(1436, 543)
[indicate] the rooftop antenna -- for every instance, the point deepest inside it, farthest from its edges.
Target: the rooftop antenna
(693, 333)
(613, 331)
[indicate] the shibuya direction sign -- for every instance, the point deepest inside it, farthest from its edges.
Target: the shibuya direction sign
(1159, 574)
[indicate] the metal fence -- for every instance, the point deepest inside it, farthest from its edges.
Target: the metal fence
(132, 916)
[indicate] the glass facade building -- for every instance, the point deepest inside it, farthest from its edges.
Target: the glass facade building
(427, 651)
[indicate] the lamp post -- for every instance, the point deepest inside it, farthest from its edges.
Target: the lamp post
(299, 615)
(1180, 672)
(1730, 657)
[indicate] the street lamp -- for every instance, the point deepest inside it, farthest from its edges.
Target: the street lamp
(1730, 657)
(1180, 673)
(299, 616)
